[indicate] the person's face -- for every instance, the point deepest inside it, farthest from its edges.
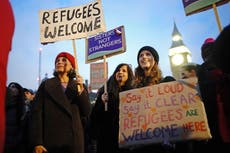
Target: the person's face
(187, 74)
(14, 90)
(122, 75)
(62, 65)
(146, 60)
(29, 96)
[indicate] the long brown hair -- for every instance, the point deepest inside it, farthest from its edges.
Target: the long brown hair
(112, 84)
(141, 80)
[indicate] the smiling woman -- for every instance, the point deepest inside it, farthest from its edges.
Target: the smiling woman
(147, 72)
(104, 125)
(59, 106)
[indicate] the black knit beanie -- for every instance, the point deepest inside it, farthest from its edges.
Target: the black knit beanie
(152, 50)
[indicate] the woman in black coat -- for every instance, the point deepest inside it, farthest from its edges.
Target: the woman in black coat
(59, 105)
(104, 125)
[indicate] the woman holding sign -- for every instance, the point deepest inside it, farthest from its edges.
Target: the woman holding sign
(148, 73)
(104, 125)
(56, 125)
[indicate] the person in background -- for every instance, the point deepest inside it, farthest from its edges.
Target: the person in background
(28, 102)
(207, 49)
(213, 78)
(29, 94)
(204, 71)
(189, 70)
(104, 124)
(221, 54)
(7, 25)
(15, 140)
(220, 58)
(59, 105)
(167, 79)
(207, 75)
(92, 95)
(29, 97)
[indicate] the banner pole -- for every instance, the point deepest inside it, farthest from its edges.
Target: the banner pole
(75, 55)
(105, 79)
(217, 17)
(76, 62)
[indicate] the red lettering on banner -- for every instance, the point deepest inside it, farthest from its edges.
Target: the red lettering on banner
(175, 100)
(132, 98)
(170, 88)
(152, 118)
(194, 126)
(149, 93)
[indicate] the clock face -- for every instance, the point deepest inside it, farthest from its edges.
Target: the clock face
(177, 59)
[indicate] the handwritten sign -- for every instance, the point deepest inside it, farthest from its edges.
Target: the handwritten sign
(72, 22)
(108, 43)
(171, 111)
(97, 75)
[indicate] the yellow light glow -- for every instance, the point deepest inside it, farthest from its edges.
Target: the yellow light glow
(177, 59)
(189, 58)
(176, 38)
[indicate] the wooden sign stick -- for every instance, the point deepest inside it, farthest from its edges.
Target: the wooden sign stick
(105, 79)
(76, 63)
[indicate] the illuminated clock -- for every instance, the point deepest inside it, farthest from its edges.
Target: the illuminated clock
(177, 59)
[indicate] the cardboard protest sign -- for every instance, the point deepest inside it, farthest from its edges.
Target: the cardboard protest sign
(196, 6)
(108, 43)
(72, 22)
(97, 75)
(171, 111)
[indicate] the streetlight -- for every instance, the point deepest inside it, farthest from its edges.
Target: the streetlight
(39, 65)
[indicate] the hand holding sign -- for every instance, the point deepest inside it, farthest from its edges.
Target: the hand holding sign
(105, 99)
(79, 81)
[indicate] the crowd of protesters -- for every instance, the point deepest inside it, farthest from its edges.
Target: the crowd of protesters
(214, 84)
(59, 118)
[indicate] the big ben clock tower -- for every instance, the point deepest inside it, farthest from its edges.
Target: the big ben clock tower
(178, 53)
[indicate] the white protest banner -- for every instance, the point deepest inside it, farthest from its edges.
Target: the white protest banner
(171, 111)
(72, 22)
